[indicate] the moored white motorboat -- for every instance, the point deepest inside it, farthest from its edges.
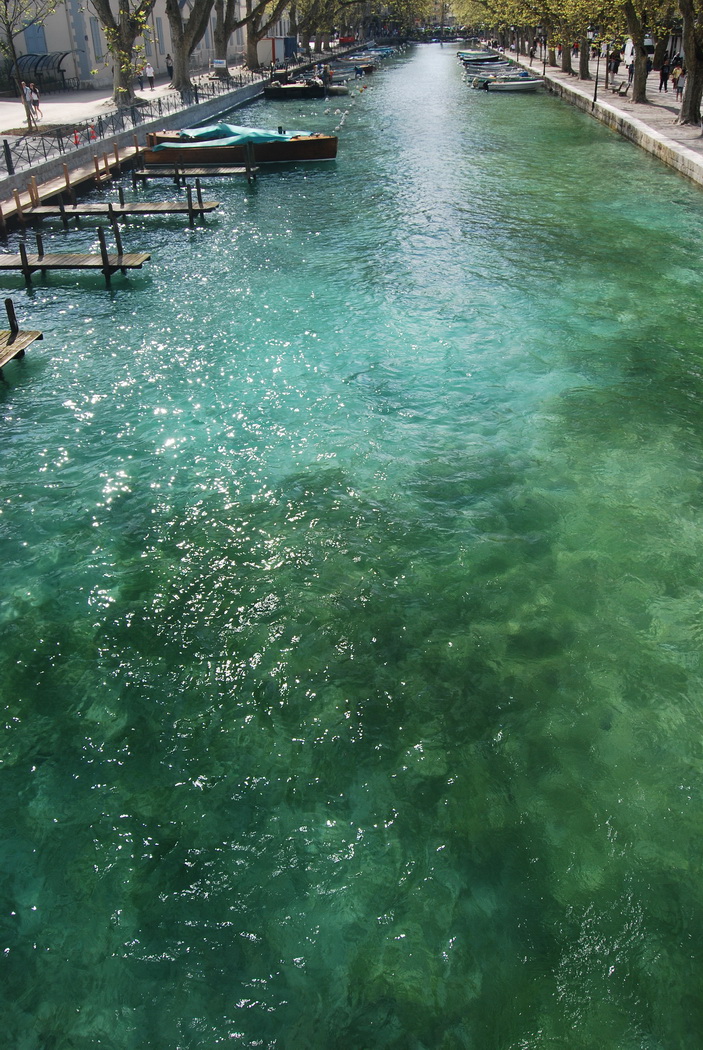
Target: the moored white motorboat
(514, 83)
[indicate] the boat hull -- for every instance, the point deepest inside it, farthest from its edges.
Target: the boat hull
(294, 150)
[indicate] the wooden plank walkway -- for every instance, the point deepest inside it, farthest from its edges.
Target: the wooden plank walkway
(100, 171)
(178, 172)
(119, 210)
(105, 262)
(13, 343)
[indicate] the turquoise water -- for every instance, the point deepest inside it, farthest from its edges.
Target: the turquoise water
(351, 601)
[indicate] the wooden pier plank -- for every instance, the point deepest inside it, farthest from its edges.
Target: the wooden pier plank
(134, 208)
(69, 261)
(164, 171)
(56, 187)
(14, 344)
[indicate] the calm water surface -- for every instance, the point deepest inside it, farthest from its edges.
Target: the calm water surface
(352, 606)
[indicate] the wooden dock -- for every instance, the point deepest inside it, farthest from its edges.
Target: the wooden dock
(123, 209)
(105, 262)
(13, 343)
(179, 173)
(99, 172)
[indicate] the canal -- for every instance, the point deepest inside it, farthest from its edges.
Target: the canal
(351, 601)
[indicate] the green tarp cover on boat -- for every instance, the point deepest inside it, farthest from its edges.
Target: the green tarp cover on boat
(222, 134)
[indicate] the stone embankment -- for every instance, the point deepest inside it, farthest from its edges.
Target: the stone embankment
(651, 125)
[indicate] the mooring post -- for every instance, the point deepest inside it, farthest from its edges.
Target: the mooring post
(118, 166)
(120, 194)
(191, 213)
(3, 226)
(11, 317)
(69, 187)
(25, 263)
(106, 162)
(107, 269)
(34, 191)
(40, 245)
(98, 176)
(18, 205)
(199, 192)
(62, 212)
(249, 162)
(115, 227)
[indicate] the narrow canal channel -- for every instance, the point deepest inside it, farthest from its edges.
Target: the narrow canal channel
(351, 601)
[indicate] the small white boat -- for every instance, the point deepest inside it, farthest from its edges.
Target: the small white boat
(477, 56)
(506, 83)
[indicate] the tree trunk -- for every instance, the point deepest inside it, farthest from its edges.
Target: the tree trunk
(584, 56)
(120, 34)
(31, 123)
(693, 59)
(566, 66)
(186, 34)
(636, 28)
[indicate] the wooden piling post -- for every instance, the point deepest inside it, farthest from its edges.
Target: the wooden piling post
(25, 263)
(191, 213)
(11, 316)
(18, 205)
(120, 194)
(3, 225)
(98, 176)
(107, 271)
(106, 163)
(64, 216)
(40, 245)
(118, 165)
(249, 162)
(34, 191)
(199, 192)
(69, 187)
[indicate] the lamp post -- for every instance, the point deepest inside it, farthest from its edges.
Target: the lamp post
(595, 89)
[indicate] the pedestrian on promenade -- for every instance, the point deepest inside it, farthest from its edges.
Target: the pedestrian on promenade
(664, 75)
(149, 71)
(140, 78)
(676, 71)
(680, 85)
(631, 71)
(36, 105)
(169, 67)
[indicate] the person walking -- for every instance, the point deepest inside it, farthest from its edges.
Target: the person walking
(149, 71)
(169, 67)
(34, 98)
(680, 85)
(664, 75)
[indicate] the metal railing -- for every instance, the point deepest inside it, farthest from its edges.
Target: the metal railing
(24, 152)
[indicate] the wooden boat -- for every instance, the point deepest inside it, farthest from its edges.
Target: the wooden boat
(228, 143)
(304, 89)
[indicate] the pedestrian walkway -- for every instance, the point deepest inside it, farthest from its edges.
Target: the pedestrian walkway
(651, 124)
